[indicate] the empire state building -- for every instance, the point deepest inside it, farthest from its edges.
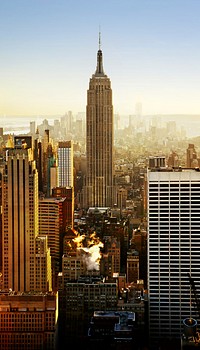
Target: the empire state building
(99, 139)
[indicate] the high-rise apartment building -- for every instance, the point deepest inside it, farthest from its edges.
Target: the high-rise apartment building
(65, 164)
(173, 248)
(99, 139)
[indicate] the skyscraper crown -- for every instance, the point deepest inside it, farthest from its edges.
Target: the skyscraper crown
(99, 69)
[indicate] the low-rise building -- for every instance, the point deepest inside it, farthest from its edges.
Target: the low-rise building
(28, 321)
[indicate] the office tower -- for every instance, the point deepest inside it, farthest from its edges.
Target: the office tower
(173, 248)
(122, 194)
(52, 222)
(173, 160)
(37, 151)
(32, 128)
(56, 128)
(65, 164)
(99, 139)
(191, 157)
(112, 247)
(53, 171)
(47, 154)
(132, 266)
(69, 122)
(107, 265)
(139, 242)
(19, 220)
(68, 194)
(20, 223)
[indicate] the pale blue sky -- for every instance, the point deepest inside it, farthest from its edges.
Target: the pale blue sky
(48, 50)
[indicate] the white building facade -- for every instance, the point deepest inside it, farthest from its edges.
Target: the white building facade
(173, 207)
(65, 164)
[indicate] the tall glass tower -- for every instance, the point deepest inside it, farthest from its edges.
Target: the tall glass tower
(99, 139)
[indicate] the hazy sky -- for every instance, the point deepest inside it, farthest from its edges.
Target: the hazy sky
(48, 53)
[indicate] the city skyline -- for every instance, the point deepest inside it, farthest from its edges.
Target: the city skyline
(48, 53)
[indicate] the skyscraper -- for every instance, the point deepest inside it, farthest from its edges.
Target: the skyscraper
(19, 218)
(26, 259)
(191, 156)
(99, 139)
(65, 164)
(173, 248)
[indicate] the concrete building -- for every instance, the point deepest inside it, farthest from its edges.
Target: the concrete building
(49, 224)
(73, 266)
(79, 300)
(112, 247)
(173, 248)
(28, 321)
(114, 329)
(132, 265)
(99, 139)
(68, 194)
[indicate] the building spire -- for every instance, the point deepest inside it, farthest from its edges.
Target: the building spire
(99, 69)
(99, 38)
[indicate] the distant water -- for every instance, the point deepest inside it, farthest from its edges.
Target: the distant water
(21, 125)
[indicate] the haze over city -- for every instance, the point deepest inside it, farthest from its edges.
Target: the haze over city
(99, 175)
(150, 52)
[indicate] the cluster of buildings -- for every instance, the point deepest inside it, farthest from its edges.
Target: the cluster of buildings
(55, 275)
(80, 261)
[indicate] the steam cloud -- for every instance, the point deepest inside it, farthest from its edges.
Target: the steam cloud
(90, 244)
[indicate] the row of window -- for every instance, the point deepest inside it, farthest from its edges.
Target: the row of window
(175, 185)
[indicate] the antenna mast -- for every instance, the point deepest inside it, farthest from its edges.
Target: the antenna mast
(99, 38)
